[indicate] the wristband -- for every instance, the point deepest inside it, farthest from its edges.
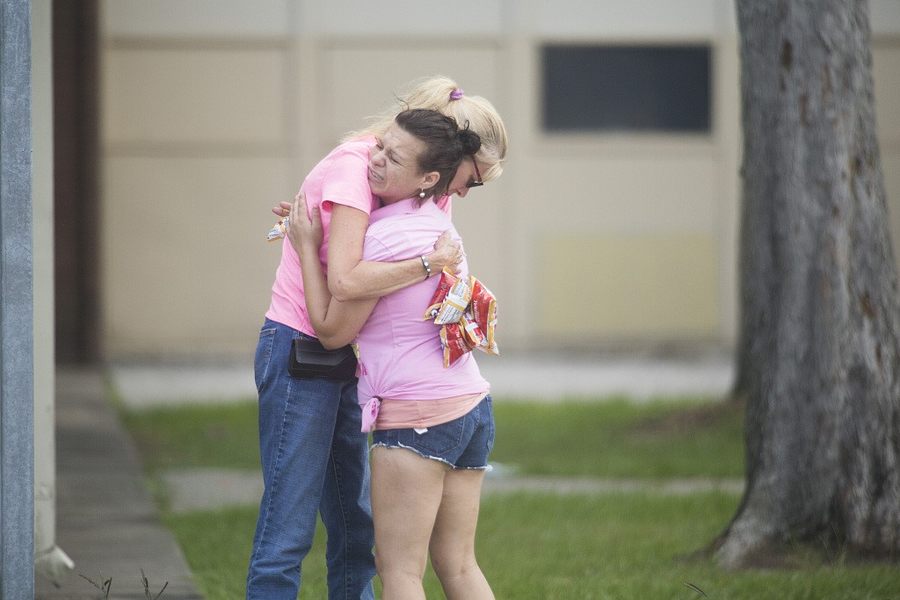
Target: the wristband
(427, 266)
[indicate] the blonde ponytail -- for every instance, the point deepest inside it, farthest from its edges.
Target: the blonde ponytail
(444, 95)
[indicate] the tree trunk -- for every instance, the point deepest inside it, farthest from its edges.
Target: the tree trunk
(818, 357)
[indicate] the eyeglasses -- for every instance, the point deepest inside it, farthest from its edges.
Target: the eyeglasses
(477, 181)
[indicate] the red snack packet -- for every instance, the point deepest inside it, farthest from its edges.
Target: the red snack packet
(444, 285)
(455, 303)
(453, 343)
(472, 332)
(483, 307)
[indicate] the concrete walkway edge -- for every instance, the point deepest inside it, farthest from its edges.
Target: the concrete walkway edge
(548, 378)
(197, 488)
(106, 520)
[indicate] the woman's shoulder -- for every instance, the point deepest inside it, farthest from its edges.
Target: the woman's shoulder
(345, 162)
(356, 146)
(352, 151)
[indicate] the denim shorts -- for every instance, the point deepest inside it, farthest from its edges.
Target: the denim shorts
(462, 443)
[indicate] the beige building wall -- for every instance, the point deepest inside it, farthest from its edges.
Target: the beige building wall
(197, 127)
(213, 110)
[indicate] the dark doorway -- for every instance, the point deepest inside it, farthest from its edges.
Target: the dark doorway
(76, 181)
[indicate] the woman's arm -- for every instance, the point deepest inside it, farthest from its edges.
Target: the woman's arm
(351, 278)
(336, 323)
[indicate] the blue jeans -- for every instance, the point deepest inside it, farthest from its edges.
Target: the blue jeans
(313, 460)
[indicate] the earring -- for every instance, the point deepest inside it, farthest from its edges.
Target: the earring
(422, 194)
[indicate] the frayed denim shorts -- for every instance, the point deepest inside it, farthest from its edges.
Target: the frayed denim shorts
(462, 443)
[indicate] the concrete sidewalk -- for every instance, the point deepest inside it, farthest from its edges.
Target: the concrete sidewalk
(106, 520)
(198, 488)
(545, 377)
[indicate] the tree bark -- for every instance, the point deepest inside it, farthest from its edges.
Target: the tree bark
(818, 355)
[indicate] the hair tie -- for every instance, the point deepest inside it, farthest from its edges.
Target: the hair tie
(456, 94)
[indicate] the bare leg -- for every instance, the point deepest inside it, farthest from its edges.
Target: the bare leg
(406, 494)
(453, 539)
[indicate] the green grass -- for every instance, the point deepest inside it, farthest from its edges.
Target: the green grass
(591, 439)
(580, 547)
(662, 439)
(197, 436)
(616, 546)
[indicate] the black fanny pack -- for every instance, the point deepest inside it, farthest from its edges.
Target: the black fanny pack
(309, 359)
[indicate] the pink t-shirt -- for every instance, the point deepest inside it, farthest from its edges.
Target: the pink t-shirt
(400, 353)
(341, 178)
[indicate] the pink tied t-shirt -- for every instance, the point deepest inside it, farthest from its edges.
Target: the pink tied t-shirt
(400, 353)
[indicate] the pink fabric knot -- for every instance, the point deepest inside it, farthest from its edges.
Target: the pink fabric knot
(370, 414)
(456, 94)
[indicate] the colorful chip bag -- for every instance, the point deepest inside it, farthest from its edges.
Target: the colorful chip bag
(467, 313)
(453, 343)
(454, 304)
(484, 312)
(444, 284)
(472, 332)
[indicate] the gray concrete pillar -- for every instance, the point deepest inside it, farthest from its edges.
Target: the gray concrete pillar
(16, 306)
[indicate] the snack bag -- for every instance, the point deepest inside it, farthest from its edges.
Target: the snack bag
(446, 282)
(472, 332)
(467, 313)
(484, 313)
(453, 343)
(279, 230)
(454, 304)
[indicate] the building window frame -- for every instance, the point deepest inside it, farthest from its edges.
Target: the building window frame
(625, 52)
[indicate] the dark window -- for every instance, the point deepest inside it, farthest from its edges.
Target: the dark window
(626, 88)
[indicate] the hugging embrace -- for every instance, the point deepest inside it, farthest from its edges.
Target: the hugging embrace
(369, 239)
